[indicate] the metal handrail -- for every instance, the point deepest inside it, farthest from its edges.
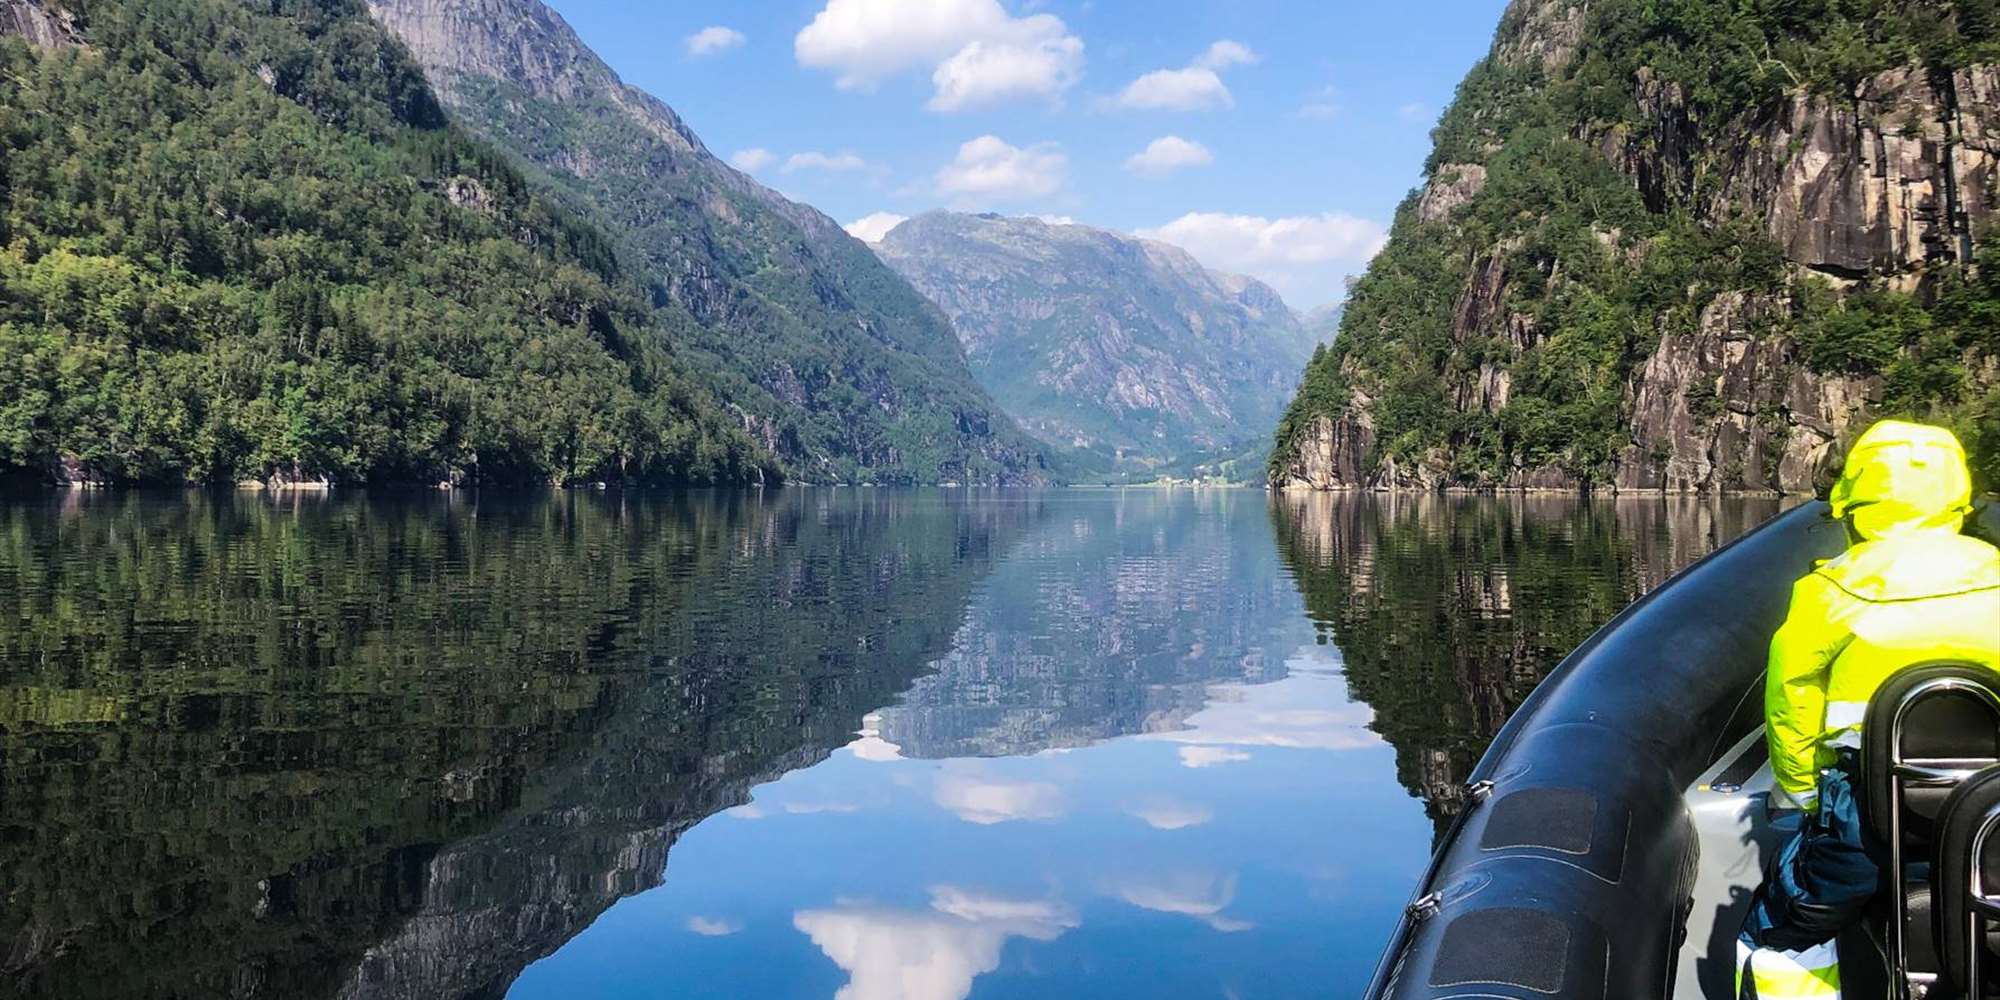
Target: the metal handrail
(1983, 905)
(1922, 774)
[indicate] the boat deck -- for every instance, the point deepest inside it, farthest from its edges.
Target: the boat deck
(1736, 835)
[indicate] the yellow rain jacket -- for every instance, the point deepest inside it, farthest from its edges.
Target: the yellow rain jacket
(1911, 590)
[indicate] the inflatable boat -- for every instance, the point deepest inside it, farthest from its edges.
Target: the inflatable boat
(1616, 827)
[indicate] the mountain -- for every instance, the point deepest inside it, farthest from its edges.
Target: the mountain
(1689, 246)
(834, 362)
(1322, 324)
(1125, 348)
(242, 242)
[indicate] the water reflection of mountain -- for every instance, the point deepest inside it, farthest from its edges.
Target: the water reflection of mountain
(1113, 617)
(403, 747)
(1449, 609)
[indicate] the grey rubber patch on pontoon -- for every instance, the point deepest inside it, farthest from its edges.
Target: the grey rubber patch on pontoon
(1510, 947)
(1555, 819)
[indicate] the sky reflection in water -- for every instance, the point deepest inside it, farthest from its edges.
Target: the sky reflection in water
(1255, 853)
(1176, 797)
(867, 744)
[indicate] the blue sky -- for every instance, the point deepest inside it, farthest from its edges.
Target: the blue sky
(1266, 137)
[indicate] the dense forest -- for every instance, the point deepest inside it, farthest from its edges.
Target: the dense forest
(1601, 170)
(836, 364)
(239, 240)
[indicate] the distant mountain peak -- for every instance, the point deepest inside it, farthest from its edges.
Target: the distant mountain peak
(526, 43)
(1127, 348)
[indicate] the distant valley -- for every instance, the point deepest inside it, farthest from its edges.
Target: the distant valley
(1126, 350)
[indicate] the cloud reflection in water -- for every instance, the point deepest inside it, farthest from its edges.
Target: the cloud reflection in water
(907, 954)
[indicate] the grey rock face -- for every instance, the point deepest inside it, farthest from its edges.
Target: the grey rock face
(522, 42)
(1092, 339)
(1725, 410)
(1454, 185)
(1853, 188)
(1540, 33)
(38, 23)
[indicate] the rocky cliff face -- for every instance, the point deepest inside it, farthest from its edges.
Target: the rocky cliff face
(1807, 193)
(1127, 348)
(38, 23)
(831, 359)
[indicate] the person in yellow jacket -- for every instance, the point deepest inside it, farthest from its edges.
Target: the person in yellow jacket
(1911, 589)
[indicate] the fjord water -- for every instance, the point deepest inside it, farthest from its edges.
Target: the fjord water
(805, 743)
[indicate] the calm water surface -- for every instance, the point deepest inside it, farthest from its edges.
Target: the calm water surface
(863, 744)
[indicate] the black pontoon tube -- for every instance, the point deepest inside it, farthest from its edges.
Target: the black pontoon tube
(1567, 875)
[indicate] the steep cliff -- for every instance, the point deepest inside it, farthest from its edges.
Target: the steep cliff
(833, 361)
(39, 24)
(1681, 247)
(1125, 348)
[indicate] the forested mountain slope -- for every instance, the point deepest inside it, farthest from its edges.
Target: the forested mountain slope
(1128, 349)
(836, 363)
(1689, 246)
(239, 240)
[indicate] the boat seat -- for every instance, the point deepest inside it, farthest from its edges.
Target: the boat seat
(1927, 729)
(1965, 879)
(1920, 946)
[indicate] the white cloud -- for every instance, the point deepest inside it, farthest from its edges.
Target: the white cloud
(1307, 258)
(985, 73)
(712, 39)
(986, 801)
(1205, 756)
(1189, 894)
(1321, 104)
(1195, 87)
(748, 810)
(1414, 112)
(989, 169)
(840, 162)
(935, 954)
(752, 160)
(979, 54)
(1056, 220)
(707, 927)
(1162, 813)
(1167, 154)
(1224, 54)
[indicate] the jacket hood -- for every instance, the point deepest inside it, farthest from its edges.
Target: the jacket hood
(1903, 477)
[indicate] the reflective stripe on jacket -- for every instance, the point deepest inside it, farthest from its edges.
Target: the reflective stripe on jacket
(1812, 974)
